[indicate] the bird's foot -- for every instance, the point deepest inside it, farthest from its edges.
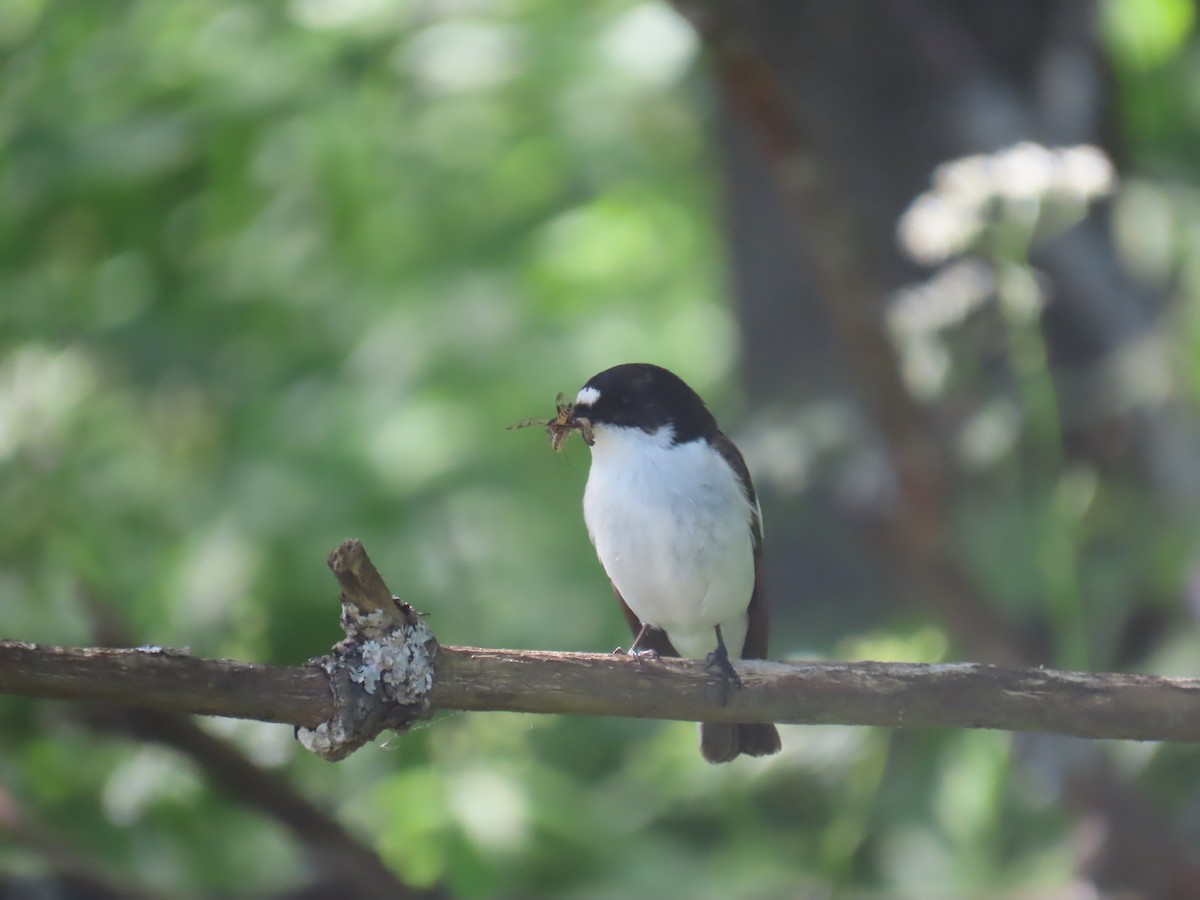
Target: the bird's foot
(719, 660)
(637, 654)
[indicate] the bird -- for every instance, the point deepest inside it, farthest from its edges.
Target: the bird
(671, 511)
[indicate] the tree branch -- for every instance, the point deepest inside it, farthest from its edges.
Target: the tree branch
(167, 680)
(390, 671)
(74, 873)
(894, 695)
(334, 854)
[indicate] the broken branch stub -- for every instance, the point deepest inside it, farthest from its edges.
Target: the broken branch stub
(382, 672)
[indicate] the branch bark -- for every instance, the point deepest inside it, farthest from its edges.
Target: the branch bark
(893, 695)
(166, 680)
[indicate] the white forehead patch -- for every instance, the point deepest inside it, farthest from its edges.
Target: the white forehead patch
(587, 396)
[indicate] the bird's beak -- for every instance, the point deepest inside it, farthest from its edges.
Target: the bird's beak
(583, 425)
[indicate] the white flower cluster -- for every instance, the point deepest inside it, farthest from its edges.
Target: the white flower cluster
(1025, 188)
(919, 313)
(948, 218)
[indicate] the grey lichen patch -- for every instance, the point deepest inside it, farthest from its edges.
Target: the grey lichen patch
(380, 675)
(398, 665)
(324, 739)
(357, 622)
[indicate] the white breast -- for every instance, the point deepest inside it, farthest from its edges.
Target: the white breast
(671, 525)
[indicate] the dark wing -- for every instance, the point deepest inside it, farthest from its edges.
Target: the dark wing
(756, 632)
(654, 640)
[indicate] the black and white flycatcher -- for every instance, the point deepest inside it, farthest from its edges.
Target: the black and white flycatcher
(672, 512)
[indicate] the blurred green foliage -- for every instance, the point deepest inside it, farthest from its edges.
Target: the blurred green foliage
(274, 274)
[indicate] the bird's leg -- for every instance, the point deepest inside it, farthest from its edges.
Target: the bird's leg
(633, 648)
(719, 660)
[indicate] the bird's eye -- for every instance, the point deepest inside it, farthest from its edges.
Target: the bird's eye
(626, 401)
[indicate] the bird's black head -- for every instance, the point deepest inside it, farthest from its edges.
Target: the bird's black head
(640, 395)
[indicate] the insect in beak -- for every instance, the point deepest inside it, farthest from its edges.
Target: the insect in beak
(560, 427)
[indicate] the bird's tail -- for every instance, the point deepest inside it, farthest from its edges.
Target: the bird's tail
(721, 742)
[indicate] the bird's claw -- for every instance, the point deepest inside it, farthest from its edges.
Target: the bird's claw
(719, 660)
(638, 655)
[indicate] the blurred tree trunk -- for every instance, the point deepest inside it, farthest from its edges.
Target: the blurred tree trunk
(895, 88)
(891, 89)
